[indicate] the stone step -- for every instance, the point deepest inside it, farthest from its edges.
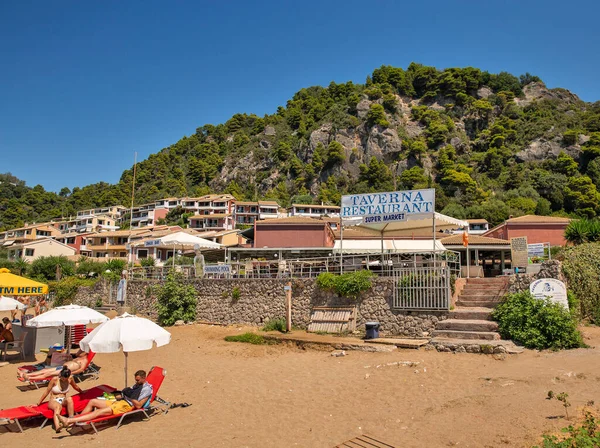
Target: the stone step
(467, 303)
(467, 325)
(488, 281)
(477, 345)
(484, 287)
(481, 292)
(479, 313)
(455, 334)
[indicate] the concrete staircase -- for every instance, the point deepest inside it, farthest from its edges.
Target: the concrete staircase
(470, 322)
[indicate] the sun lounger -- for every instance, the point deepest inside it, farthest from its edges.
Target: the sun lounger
(155, 377)
(91, 371)
(18, 414)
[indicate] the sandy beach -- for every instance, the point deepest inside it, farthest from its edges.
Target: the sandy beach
(282, 396)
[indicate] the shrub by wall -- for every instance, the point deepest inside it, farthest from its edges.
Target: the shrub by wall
(535, 323)
(581, 268)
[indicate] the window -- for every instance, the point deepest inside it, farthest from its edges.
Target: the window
(143, 253)
(253, 210)
(102, 240)
(71, 240)
(122, 254)
(29, 252)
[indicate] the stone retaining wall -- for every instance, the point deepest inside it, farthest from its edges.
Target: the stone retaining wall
(549, 269)
(261, 300)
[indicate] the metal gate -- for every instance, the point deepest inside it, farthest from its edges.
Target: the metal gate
(422, 288)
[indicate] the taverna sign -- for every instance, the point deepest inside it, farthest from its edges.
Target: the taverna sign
(387, 207)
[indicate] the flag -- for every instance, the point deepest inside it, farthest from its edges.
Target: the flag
(466, 239)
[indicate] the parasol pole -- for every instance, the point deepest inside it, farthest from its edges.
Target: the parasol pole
(125, 368)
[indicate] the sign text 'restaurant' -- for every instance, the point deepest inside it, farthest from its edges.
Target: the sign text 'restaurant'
(398, 202)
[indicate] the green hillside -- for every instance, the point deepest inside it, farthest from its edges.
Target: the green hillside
(492, 145)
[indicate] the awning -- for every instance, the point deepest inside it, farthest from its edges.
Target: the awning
(8, 243)
(393, 246)
(414, 222)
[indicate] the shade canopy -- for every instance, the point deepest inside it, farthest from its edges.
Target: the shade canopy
(128, 333)
(8, 304)
(67, 315)
(14, 285)
(182, 239)
(389, 246)
(413, 222)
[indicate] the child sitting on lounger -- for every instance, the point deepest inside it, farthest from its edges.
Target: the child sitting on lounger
(77, 365)
(129, 399)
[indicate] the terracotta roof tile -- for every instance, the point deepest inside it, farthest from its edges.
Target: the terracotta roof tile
(535, 219)
(291, 220)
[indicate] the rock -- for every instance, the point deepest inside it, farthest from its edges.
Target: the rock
(538, 90)
(382, 142)
(321, 135)
(499, 356)
(540, 150)
(362, 108)
(484, 92)
(270, 130)
(461, 349)
(338, 353)
(487, 349)
(265, 144)
(499, 349)
(179, 323)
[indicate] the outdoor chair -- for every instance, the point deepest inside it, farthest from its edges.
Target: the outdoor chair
(17, 346)
(155, 377)
(21, 413)
(91, 371)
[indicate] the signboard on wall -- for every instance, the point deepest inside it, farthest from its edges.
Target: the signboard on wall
(535, 250)
(217, 269)
(386, 207)
(518, 252)
(550, 288)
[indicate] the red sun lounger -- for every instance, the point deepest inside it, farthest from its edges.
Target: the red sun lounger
(18, 414)
(90, 371)
(155, 377)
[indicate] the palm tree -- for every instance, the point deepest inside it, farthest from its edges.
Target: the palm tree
(20, 265)
(578, 231)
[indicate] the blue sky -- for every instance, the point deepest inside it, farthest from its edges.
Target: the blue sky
(83, 85)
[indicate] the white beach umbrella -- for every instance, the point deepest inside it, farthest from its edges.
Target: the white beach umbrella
(67, 315)
(8, 304)
(128, 333)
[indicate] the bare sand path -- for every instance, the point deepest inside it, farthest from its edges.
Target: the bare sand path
(281, 396)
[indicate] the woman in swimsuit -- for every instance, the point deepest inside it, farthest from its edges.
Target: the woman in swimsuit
(58, 389)
(77, 365)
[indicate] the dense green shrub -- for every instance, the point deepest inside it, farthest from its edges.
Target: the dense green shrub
(176, 300)
(88, 267)
(350, 284)
(65, 290)
(585, 436)
(148, 262)
(236, 294)
(45, 268)
(581, 267)
(278, 324)
(536, 323)
(583, 231)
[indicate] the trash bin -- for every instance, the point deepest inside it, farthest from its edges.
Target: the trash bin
(372, 330)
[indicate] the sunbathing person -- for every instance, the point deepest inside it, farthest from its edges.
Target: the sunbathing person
(58, 389)
(77, 365)
(130, 398)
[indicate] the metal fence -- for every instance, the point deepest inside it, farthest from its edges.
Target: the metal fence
(382, 264)
(422, 288)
